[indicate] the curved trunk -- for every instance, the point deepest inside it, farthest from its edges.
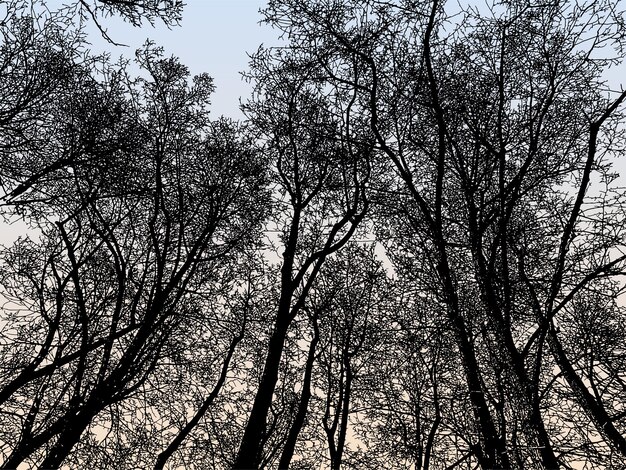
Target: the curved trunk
(594, 409)
(164, 456)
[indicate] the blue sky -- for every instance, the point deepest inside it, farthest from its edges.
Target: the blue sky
(214, 37)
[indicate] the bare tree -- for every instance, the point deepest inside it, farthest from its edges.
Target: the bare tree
(354, 294)
(136, 251)
(321, 166)
(496, 125)
(193, 293)
(43, 63)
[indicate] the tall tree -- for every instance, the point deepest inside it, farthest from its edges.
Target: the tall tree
(139, 241)
(495, 128)
(321, 168)
(192, 294)
(359, 297)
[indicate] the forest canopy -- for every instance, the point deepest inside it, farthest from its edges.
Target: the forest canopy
(408, 254)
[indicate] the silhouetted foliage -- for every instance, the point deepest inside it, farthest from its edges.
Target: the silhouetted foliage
(409, 255)
(495, 126)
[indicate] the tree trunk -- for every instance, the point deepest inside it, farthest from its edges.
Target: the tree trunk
(250, 449)
(296, 426)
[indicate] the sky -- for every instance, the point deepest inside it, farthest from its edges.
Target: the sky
(214, 36)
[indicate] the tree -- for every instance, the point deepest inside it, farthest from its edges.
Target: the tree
(38, 65)
(357, 297)
(198, 292)
(495, 130)
(42, 64)
(133, 11)
(413, 388)
(321, 168)
(137, 249)
(342, 307)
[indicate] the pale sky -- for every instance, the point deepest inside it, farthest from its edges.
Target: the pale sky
(214, 37)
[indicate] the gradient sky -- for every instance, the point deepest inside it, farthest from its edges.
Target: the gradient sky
(214, 37)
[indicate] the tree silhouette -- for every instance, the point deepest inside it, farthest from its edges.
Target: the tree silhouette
(479, 125)
(408, 255)
(321, 170)
(136, 250)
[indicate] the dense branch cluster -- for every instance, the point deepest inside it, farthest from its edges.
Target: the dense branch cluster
(408, 255)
